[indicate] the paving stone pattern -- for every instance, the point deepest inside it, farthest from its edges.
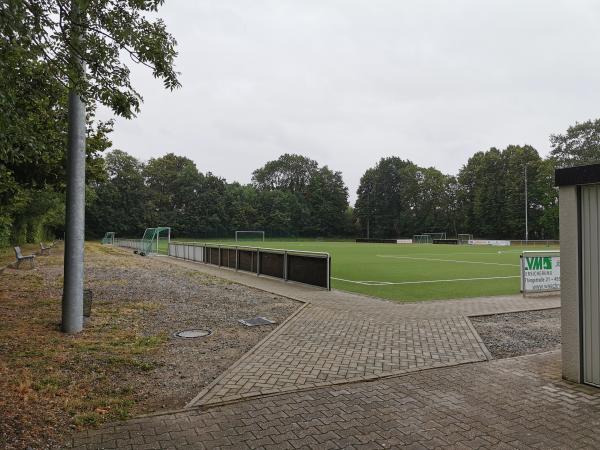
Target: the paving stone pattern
(300, 385)
(340, 337)
(510, 403)
(322, 346)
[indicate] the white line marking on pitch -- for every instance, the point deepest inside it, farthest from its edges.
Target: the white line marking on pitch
(389, 283)
(470, 253)
(448, 260)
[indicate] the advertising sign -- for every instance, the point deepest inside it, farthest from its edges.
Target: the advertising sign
(540, 271)
(489, 242)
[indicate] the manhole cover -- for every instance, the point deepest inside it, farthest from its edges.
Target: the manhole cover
(256, 321)
(188, 334)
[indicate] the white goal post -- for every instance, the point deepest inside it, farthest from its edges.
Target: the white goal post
(249, 235)
(464, 238)
(422, 239)
(438, 235)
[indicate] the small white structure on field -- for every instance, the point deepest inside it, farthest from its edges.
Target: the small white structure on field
(580, 272)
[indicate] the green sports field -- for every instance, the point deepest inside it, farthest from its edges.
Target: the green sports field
(415, 271)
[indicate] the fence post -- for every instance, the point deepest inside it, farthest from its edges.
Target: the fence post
(237, 258)
(328, 272)
(523, 291)
(285, 266)
(257, 261)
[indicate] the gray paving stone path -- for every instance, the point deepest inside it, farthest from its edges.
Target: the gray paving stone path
(298, 387)
(339, 337)
(516, 403)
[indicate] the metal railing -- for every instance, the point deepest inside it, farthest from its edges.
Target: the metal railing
(312, 268)
(135, 244)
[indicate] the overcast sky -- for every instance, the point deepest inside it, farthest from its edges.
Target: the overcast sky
(346, 82)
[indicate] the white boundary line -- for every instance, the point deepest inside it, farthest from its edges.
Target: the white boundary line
(448, 260)
(392, 283)
(499, 252)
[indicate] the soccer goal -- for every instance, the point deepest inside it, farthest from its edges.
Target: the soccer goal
(440, 235)
(249, 236)
(422, 239)
(109, 238)
(464, 238)
(155, 241)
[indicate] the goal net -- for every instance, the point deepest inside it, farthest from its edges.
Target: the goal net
(440, 235)
(464, 238)
(249, 236)
(155, 241)
(109, 238)
(422, 239)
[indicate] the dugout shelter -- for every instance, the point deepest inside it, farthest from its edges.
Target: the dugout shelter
(579, 192)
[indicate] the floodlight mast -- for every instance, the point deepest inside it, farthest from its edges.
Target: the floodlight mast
(526, 208)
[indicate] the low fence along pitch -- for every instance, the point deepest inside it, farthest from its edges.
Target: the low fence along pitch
(312, 268)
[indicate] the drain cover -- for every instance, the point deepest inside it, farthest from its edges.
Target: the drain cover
(188, 334)
(256, 321)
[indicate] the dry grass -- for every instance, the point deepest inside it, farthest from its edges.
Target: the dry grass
(51, 382)
(126, 361)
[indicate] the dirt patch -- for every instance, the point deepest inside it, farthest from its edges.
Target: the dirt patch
(521, 333)
(126, 362)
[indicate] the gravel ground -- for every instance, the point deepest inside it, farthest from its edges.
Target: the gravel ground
(521, 333)
(177, 299)
(126, 361)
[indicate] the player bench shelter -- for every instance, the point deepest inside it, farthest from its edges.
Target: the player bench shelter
(579, 195)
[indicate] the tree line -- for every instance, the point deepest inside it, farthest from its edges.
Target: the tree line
(290, 196)
(486, 199)
(293, 196)
(42, 47)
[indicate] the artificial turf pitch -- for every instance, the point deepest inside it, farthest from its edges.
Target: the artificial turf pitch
(406, 272)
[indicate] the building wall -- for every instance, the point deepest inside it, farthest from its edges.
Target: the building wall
(569, 280)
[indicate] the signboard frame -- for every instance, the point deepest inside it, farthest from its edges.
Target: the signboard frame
(553, 254)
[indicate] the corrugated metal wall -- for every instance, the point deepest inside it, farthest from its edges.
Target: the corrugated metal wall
(590, 268)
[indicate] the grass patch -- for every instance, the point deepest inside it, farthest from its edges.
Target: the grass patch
(51, 382)
(415, 271)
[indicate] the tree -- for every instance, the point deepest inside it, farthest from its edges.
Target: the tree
(396, 198)
(288, 172)
(327, 201)
(242, 207)
(578, 146)
(318, 197)
(517, 160)
(481, 194)
(545, 200)
(207, 210)
(119, 201)
(170, 180)
(433, 201)
(104, 31)
(33, 115)
(278, 209)
(491, 194)
(69, 38)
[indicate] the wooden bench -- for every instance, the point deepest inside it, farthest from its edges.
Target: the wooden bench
(45, 250)
(21, 257)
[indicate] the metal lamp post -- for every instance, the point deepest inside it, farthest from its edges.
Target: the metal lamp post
(72, 301)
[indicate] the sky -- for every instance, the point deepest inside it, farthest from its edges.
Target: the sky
(348, 82)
